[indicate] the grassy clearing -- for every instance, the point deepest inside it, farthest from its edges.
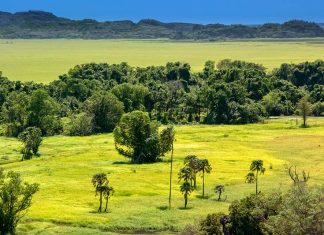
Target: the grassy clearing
(44, 60)
(66, 203)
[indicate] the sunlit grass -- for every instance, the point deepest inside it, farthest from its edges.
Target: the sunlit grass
(66, 203)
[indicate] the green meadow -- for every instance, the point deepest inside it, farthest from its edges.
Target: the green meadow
(44, 60)
(66, 202)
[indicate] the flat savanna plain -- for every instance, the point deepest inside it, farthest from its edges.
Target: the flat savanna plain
(44, 60)
(66, 203)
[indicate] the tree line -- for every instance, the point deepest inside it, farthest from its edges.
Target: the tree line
(91, 98)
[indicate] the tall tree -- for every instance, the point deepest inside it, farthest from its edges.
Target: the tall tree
(167, 141)
(257, 167)
(204, 167)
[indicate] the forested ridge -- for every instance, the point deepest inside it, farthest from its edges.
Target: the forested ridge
(38, 24)
(91, 98)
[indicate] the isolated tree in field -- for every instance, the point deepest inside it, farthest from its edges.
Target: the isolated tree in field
(193, 162)
(108, 191)
(167, 139)
(204, 167)
(305, 108)
(137, 138)
(15, 198)
(257, 167)
(100, 182)
(31, 139)
(219, 189)
(186, 175)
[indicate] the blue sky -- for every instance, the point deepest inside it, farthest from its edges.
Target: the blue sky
(200, 11)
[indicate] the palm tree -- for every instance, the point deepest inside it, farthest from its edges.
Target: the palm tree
(186, 174)
(108, 191)
(193, 162)
(256, 166)
(186, 189)
(204, 167)
(219, 189)
(100, 181)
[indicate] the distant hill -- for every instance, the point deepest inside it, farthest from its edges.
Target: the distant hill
(38, 24)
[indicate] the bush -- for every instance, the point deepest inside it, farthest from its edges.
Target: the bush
(211, 225)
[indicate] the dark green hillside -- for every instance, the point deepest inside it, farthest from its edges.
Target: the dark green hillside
(38, 24)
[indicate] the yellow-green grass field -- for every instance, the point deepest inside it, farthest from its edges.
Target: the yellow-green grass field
(66, 203)
(44, 60)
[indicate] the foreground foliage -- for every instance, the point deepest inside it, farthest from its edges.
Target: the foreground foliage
(299, 211)
(15, 198)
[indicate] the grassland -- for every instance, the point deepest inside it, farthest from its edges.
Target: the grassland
(66, 204)
(44, 60)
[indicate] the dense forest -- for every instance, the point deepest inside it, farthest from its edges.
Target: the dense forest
(37, 24)
(91, 98)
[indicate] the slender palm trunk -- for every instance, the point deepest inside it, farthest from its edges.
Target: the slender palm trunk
(256, 183)
(100, 202)
(203, 182)
(106, 205)
(186, 199)
(219, 196)
(171, 168)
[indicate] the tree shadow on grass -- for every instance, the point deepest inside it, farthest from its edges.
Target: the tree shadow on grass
(122, 163)
(202, 197)
(163, 208)
(184, 209)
